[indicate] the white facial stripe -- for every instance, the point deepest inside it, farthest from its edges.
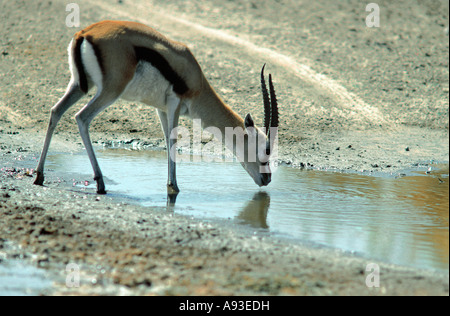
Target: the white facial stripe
(91, 64)
(262, 154)
(262, 146)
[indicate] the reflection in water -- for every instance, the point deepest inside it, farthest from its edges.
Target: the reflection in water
(171, 199)
(404, 219)
(401, 220)
(255, 212)
(429, 195)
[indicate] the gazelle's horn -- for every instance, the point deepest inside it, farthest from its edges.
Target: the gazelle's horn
(267, 108)
(271, 115)
(274, 120)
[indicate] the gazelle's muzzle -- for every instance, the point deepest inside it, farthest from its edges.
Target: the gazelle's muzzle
(266, 178)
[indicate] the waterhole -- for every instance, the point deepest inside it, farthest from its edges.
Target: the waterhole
(397, 219)
(20, 279)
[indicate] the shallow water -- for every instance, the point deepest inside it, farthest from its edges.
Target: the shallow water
(20, 279)
(399, 220)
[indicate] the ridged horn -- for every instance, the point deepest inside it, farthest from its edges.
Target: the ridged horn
(271, 115)
(267, 108)
(274, 104)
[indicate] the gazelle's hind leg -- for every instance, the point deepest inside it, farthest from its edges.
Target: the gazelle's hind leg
(72, 95)
(100, 102)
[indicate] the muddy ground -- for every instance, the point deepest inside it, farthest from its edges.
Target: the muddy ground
(351, 98)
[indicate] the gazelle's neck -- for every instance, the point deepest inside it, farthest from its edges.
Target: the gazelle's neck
(218, 117)
(214, 112)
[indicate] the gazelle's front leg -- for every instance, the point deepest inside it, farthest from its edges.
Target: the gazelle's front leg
(169, 123)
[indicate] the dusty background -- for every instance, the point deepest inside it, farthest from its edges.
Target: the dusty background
(381, 90)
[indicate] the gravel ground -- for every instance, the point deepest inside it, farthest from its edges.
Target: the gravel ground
(383, 93)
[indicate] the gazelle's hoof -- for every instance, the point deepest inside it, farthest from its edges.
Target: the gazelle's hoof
(39, 179)
(100, 186)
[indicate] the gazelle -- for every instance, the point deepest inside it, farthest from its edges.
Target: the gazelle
(134, 62)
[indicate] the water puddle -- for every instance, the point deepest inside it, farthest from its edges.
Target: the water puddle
(20, 279)
(399, 220)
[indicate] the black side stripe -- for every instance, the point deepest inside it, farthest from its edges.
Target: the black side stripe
(160, 63)
(79, 64)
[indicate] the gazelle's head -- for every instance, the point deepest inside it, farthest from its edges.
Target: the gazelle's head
(259, 144)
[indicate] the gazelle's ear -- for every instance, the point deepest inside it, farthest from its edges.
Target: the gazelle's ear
(249, 121)
(250, 125)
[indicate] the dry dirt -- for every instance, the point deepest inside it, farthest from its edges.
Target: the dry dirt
(351, 98)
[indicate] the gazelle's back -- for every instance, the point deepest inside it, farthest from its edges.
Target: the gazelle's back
(127, 43)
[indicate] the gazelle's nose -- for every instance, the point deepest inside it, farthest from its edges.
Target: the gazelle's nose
(266, 178)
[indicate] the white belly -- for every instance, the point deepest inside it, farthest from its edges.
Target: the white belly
(148, 86)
